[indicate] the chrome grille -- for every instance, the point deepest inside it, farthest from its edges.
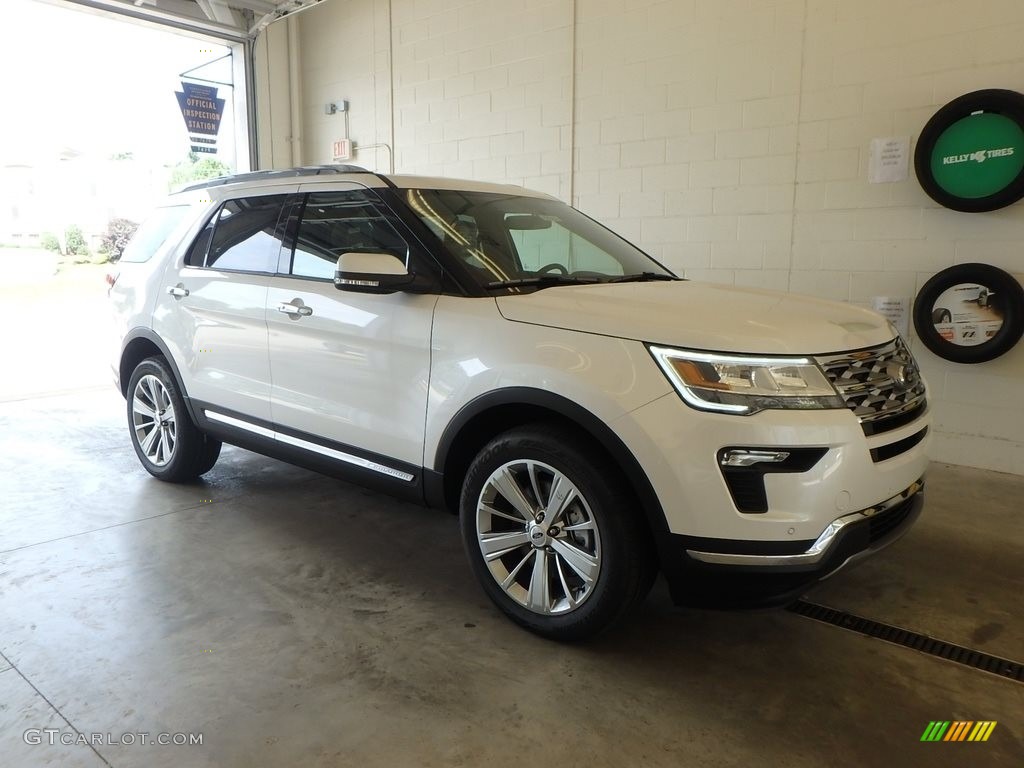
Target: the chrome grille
(880, 385)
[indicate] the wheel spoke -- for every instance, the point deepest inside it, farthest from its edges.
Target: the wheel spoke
(151, 392)
(507, 486)
(586, 525)
(533, 482)
(539, 597)
(147, 443)
(512, 574)
(561, 495)
(142, 408)
(163, 451)
(488, 509)
(584, 564)
(565, 586)
(494, 545)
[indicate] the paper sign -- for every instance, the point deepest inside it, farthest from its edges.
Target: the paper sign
(890, 160)
(895, 309)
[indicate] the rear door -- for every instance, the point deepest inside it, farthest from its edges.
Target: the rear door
(350, 370)
(212, 311)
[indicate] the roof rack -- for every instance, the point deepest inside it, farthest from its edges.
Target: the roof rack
(286, 173)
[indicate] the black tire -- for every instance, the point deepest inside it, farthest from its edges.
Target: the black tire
(941, 315)
(194, 453)
(992, 100)
(627, 561)
(1006, 297)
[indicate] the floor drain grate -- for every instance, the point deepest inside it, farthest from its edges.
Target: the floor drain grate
(1011, 670)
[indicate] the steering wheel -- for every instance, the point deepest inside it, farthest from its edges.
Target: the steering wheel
(553, 266)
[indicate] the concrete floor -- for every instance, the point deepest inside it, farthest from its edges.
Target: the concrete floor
(294, 620)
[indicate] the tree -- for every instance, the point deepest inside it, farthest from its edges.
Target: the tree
(196, 169)
(119, 232)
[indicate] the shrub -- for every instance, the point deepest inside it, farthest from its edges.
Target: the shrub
(50, 242)
(119, 232)
(76, 244)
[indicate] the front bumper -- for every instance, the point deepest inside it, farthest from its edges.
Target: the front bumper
(728, 573)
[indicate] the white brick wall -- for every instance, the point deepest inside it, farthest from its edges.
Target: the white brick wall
(729, 137)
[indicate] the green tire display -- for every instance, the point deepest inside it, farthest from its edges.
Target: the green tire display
(970, 155)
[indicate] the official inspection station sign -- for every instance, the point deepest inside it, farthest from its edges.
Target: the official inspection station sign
(202, 112)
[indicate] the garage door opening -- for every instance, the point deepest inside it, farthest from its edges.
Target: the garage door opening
(106, 117)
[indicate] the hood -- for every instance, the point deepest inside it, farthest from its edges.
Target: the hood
(702, 316)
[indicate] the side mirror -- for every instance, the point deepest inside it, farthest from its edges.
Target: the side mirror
(371, 273)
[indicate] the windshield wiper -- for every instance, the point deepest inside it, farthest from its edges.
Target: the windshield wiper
(642, 277)
(544, 281)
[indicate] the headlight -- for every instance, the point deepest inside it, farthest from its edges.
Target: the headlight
(743, 384)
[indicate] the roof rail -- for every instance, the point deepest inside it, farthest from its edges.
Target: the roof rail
(285, 173)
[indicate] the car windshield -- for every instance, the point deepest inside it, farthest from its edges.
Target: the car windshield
(514, 241)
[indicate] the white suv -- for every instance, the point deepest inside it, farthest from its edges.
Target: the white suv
(491, 350)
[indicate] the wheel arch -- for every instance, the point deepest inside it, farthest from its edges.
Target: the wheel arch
(140, 344)
(488, 415)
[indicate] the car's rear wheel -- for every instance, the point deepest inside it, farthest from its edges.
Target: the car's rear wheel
(553, 534)
(166, 441)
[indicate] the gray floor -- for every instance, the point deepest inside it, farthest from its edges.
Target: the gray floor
(295, 620)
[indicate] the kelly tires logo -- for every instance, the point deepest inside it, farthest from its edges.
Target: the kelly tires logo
(978, 157)
(970, 155)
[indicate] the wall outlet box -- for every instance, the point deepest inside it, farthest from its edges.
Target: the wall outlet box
(342, 149)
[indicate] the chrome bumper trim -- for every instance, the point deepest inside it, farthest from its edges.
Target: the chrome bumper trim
(821, 545)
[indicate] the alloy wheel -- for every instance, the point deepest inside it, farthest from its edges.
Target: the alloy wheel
(538, 537)
(154, 420)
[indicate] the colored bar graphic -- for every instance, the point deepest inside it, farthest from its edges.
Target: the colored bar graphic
(935, 730)
(958, 730)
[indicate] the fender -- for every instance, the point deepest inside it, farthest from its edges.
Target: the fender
(149, 335)
(575, 413)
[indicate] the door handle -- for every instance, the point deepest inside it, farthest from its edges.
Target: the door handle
(292, 309)
(177, 291)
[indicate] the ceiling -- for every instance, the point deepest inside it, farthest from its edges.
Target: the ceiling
(236, 20)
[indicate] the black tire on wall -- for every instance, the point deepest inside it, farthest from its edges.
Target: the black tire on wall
(1005, 297)
(993, 100)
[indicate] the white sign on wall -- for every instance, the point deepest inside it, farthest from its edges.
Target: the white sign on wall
(889, 161)
(895, 309)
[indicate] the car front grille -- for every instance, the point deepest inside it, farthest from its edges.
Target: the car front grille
(881, 385)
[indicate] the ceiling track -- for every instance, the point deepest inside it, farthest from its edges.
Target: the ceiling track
(266, 13)
(157, 16)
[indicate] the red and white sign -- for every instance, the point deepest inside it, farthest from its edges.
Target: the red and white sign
(342, 149)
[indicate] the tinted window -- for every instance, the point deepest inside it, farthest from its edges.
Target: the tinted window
(245, 235)
(197, 251)
(153, 233)
(334, 223)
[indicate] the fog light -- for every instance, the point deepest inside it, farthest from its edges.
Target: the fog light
(741, 457)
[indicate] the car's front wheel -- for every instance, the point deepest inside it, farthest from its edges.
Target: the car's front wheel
(166, 441)
(553, 534)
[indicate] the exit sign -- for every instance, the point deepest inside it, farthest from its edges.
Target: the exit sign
(342, 149)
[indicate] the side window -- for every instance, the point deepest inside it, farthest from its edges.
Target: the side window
(554, 244)
(197, 251)
(334, 223)
(244, 235)
(153, 233)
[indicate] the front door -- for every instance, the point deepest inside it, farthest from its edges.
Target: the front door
(349, 370)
